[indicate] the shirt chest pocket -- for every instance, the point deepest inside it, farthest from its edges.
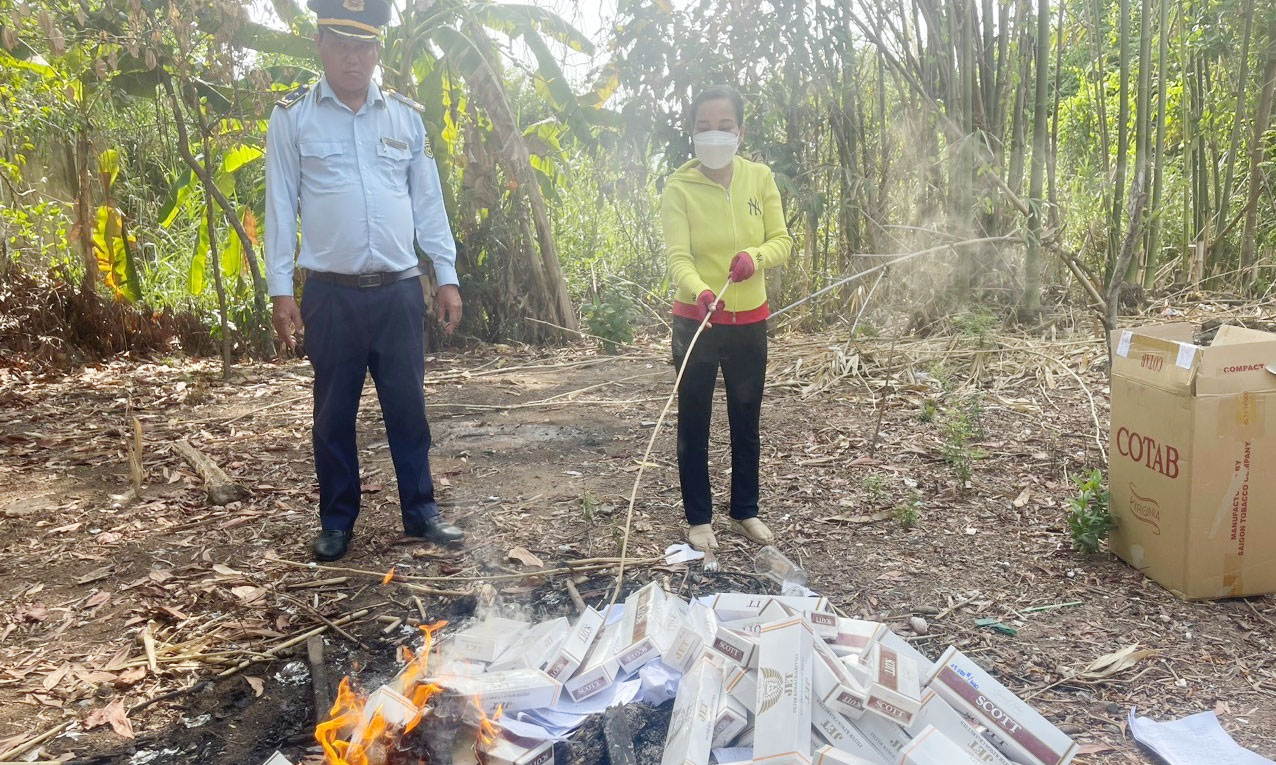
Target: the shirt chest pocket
(392, 165)
(331, 164)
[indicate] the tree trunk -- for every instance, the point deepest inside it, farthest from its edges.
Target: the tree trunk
(1257, 173)
(84, 213)
(210, 209)
(1115, 220)
(1155, 217)
(1142, 117)
(1031, 303)
(485, 84)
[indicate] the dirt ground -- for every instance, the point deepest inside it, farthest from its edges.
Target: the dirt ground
(538, 450)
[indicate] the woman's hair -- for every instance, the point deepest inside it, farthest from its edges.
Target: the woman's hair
(715, 92)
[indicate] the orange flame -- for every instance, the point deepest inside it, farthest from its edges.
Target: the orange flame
(389, 576)
(343, 743)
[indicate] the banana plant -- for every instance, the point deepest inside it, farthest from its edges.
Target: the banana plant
(113, 245)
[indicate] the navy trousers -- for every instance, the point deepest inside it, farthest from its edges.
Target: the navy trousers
(350, 332)
(741, 352)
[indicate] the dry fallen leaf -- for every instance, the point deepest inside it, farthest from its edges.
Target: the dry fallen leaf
(98, 598)
(1117, 661)
(112, 714)
(248, 594)
(130, 676)
(52, 679)
(258, 685)
(225, 570)
(524, 556)
(1023, 497)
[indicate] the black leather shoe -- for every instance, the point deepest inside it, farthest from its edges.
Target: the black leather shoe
(331, 544)
(436, 530)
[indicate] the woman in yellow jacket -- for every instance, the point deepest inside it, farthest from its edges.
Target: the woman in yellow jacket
(722, 218)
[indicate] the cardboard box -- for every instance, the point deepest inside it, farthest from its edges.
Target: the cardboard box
(574, 649)
(782, 729)
(643, 637)
(488, 639)
(737, 605)
(823, 624)
(956, 727)
(513, 690)
(694, 713)
(827, 755)
(1015, 728)
(600, 666)
(1191, 427)
(733, 718)
(895, 692)
(535, 649)
(933, 748)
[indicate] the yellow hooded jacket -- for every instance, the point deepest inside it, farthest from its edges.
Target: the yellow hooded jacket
(705, 225)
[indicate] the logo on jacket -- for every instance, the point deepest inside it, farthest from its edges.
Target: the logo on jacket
(354, 6)
(754, 207)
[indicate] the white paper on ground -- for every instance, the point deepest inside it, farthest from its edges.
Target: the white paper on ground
(681, 553)
(659, 683)
(734, 754)
(1192, 740)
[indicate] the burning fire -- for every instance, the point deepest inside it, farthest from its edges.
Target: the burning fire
(355, 735)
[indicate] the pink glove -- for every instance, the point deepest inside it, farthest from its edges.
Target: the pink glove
(742, 267)
(707, 303)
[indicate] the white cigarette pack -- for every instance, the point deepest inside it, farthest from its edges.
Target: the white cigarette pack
(835, 730)
(855, 637)
(488, 639)
(931, 747)
(886, 737)
(694, 714)
(836, 689)
(513, 690)
(895, 692)
(730, 606)
(823, 624)
(508, 749)
(1017, 730)
(686, 637)
(576, 646)
(828, 755)
(742, 685)
(901, 646)
(735, 646)
(600, 666)
(782, 730)
(954, 726)
(643, 637)
(733, 718)
(536, 648)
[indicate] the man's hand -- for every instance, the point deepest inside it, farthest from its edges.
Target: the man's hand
(448, 307)
(287, 319)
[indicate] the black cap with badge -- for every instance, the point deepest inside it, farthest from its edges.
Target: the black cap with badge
(361, 19)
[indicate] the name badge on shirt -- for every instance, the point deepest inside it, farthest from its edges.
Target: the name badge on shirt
(394, 143)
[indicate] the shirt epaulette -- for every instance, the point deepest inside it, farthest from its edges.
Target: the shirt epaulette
(399, 96)
(293, 96)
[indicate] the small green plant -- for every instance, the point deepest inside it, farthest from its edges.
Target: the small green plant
(908, 513)
(874, 487)
(1089, 520)
(976, 324)
(588, 507)
(609, 320)
(929, 411)
(961, 426)
(942, 375)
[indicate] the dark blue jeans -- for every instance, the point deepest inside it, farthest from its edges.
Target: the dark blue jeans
(350, 332)
(741, 352)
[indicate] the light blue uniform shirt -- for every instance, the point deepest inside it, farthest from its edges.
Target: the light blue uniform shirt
(366, 184)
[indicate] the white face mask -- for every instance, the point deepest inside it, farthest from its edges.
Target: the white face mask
(715, 148)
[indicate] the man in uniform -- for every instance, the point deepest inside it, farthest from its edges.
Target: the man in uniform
(356, 158)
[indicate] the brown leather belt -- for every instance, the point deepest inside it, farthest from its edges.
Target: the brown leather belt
(365, 281)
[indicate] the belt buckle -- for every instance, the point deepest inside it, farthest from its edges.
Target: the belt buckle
(369, 280)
